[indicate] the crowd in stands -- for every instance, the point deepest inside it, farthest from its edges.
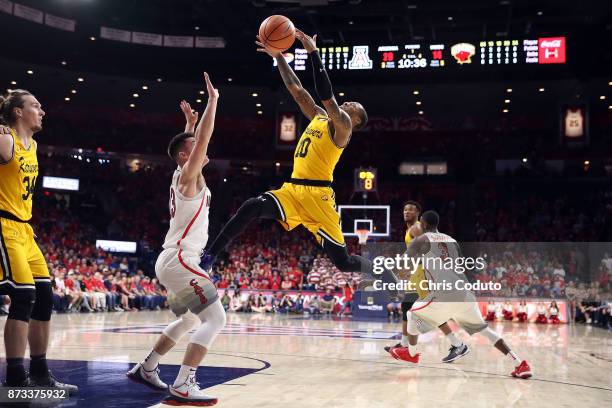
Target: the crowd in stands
(265, 258)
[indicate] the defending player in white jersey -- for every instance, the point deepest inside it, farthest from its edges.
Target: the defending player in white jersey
(191, 293)
(445, 304)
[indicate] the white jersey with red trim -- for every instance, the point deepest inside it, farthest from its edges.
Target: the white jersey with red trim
(188, 219)
(441, 269)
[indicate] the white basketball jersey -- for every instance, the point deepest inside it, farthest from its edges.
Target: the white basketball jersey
(436, 266)
(188, 219)
(574, 123)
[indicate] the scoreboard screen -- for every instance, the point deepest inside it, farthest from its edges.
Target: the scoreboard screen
(366, 180)
(436, 56)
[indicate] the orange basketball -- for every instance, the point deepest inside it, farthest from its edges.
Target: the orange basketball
(277, 32)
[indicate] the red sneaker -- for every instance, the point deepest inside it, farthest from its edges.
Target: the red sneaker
(402, 353)
(522, 370)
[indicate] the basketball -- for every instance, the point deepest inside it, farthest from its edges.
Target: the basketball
(277, 32)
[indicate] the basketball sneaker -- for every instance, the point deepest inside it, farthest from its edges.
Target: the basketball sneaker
(522, 370)
(389, 348)
(189, 393)
(148, 378)
(206, 262)
(50, 381)
(455, 353)
(402, 353)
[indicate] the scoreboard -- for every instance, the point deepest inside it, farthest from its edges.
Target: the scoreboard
(437, 56)
(366, 180)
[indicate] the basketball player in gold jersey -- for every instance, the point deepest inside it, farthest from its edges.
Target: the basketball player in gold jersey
(411, 212)
(24, 276)
(307, 198)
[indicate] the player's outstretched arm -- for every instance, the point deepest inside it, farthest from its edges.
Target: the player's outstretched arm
(193, 167)
(301, 96)
(191, 116)
(340, 119)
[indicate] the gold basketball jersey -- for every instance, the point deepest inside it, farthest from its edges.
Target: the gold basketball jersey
(408, 237)
(316, 154)
(17, 180)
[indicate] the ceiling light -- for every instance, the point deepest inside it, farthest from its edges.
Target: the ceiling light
(260, 112)
(505, 111)
(73, 91)
(198, 100)
(30, 72)
(524, 160)
(541, 89)
(229, 79)
(420, 112)
(80, 79)
(159, 79)
(135, 95)
(415, 92)
(92, 38)
(418, 102)
(506, 100)
(258, 104)
(63, 62)
(602, 97)
(450, 18)
(341, 94)
(145, 87)
(201, 92)
(254, 94)
(66, 99)
(132, 105)
(13, 82)
(509, 90)
(540, 13)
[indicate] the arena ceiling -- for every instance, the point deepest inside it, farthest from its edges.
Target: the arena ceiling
(586, 23)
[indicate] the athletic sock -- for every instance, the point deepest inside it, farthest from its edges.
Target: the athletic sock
(184, 373)
(454, 340)
(151, 361)
(38, 365)
(15, 371)
(404, 340)
(412, 349)
(515, 358)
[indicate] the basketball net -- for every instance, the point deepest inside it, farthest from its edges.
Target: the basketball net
(362, 234)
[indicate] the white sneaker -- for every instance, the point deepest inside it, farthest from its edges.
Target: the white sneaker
(148, 378)
(189, 393)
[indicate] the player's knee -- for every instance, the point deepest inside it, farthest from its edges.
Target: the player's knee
(177, 329)
(43, 306)
(22, 303)
(213, 320)
(412, 328)
(251, 208)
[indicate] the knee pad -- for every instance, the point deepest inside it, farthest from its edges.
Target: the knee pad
(491, 335)
(213, 320)
(412, 326)
(22, 303)
(405, 309)
(43, 306)
(177, 329)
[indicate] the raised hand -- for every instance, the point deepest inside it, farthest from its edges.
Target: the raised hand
(309, 43)
(273, 52)
(191, 116)
(213, 93)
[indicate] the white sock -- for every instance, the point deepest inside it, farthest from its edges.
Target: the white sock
(412, 349)
(514, 357)
(404, 340)
(184, 373)
(151, 361)
(454, 340)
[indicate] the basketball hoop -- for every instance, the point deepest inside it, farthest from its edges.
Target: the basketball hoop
(362, 234)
